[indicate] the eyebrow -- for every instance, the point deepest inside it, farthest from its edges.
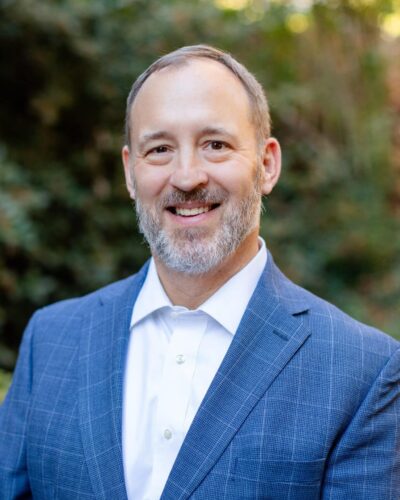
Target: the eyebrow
(215, 131)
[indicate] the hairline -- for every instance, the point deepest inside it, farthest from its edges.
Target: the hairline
(182, 57)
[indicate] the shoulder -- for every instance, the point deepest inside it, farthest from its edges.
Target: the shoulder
(330, 324)
(78, 306)
(67, 315)
(347, 348)
(348, 353)
(325, 320)
(342, 358)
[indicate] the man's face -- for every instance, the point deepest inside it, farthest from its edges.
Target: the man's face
(195, 169)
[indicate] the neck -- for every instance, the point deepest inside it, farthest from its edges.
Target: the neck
(192, 290)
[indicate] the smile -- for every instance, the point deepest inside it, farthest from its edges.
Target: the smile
(191, 212)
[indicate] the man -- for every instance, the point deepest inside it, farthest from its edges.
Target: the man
(208, 374)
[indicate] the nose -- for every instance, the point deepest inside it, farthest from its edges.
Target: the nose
(188, 172)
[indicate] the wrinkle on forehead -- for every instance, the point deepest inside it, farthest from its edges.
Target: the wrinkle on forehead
(191, 91)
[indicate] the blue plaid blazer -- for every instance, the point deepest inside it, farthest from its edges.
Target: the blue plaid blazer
(305, 405)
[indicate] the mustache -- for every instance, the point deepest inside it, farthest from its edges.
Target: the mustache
(206, 195)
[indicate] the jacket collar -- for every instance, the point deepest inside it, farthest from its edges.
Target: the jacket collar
(103, 347)
(270, 333)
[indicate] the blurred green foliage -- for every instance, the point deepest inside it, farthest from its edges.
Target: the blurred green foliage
(5, 381)
(66, 67)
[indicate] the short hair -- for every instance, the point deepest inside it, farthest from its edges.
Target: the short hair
(258, 101)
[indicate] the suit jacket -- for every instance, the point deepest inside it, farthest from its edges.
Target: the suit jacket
(304, 406)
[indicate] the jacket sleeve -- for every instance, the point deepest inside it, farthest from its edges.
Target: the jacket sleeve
(14, 481)
(365, 462)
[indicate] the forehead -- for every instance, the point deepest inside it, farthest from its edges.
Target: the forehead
(198, 89)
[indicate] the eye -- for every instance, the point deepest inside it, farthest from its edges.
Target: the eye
(217, 150)
(158, 150)
(217, 145)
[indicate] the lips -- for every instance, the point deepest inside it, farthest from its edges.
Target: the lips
(187, 211)
(195, 203)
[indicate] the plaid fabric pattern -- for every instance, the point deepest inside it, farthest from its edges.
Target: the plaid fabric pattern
(305, 405)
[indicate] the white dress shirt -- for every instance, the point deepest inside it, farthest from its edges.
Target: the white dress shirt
(173, 355)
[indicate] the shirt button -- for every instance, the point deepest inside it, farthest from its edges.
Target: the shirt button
(180, 359)
(167, 434)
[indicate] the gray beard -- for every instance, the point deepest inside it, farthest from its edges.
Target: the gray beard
(194, 250)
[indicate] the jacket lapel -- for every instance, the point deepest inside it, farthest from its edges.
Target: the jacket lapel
(103, 347)
(267, 338)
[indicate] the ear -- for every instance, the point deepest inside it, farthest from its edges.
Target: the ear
(128, 169)
(272, 162)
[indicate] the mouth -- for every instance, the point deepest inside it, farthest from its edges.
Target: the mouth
(185, 211)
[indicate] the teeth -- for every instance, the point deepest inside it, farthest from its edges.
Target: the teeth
(186, 212)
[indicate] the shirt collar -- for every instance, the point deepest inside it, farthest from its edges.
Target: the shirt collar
(236, 292)
(151, 297)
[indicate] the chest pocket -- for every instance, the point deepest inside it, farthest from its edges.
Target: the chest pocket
(276, 480)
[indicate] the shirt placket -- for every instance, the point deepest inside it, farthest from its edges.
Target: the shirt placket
(175, 389)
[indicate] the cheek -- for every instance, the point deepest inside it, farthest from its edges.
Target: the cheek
(237, 177)
(237, 185)
(150, 182)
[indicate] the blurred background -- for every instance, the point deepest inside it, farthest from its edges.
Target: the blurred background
(332, 73)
